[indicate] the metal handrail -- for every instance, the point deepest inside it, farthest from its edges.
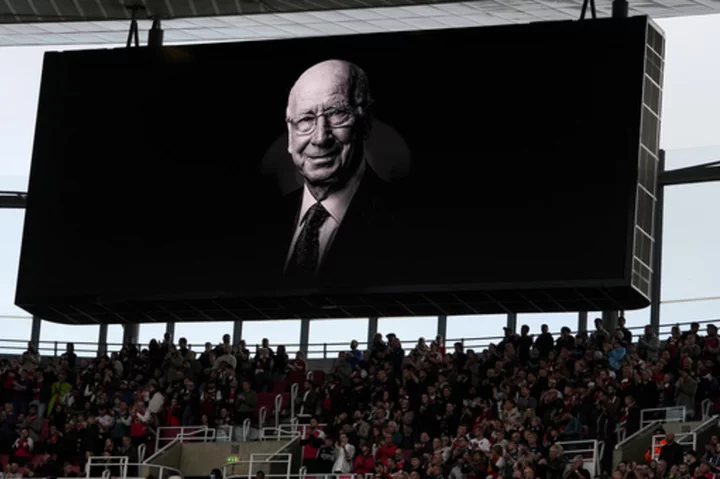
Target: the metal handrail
(189, 433)
(643, 429)
(108, 461)
(323, 350)
(672, 414)
(706, 407)
(123, 464)
(270, 459)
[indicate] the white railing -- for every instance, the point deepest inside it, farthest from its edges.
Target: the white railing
(185, 433)
(623, 439)
(294, 391)
(224, 433)
(278, 408)
(286, 432)
(95, 462)
(256, 463)
(121, 462)
(337, 476)
(672, 414)
(689, 439)
(262, 415)
(706, 408)
(591, 451)
(304, 475)
(246, 429)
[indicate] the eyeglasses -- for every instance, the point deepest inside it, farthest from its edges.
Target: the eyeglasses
(335, 118)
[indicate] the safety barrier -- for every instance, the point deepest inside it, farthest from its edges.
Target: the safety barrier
(302, 474)
(294, 391)
(706, 408)
(662, 414)
(121, 463)
(259, 462)
(142, 450)
(285, 432)
(184, 434)
(591, 451)
(335, 476)
(688, 440)
(314, 350)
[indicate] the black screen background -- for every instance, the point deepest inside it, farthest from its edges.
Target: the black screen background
(524, 142)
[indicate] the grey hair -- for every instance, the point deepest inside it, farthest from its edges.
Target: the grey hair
(361, 95)
(359, 86)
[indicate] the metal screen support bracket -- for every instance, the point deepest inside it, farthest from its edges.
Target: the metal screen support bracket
(593, 12)
(156, 34)
(134, 33)
(620, 8)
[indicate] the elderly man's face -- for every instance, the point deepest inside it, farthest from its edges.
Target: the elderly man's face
(326, 134)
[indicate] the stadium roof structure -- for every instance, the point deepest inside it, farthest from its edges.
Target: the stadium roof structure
(106, 22)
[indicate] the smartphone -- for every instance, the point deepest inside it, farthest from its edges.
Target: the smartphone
(212, 476)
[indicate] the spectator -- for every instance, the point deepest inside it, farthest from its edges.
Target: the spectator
(462, 413)
(22, 449)
(686, 388)
(344, 456)
(671, 452)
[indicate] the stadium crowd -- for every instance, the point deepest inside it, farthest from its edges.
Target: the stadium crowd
(423, 412)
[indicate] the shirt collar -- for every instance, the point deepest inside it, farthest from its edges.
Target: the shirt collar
(337, 202)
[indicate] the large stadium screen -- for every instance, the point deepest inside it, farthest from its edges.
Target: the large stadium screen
(410, 164)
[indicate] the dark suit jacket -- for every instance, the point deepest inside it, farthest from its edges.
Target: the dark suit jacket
(365, 243)
(633, 420)
(673, 454)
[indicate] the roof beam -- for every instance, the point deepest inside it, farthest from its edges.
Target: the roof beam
(704, 173)
(13, 199)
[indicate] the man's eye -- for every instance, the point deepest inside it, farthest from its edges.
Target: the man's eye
(338, 117)
(305, 123)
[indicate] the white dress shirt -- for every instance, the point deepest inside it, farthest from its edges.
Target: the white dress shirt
(336, 204)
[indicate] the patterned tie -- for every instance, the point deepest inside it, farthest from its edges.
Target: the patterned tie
(306, 254)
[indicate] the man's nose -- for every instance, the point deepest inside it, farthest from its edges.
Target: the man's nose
(322, 132)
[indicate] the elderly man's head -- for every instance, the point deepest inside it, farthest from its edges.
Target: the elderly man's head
(328, 123)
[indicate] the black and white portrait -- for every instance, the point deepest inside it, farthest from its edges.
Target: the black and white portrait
(340, 213)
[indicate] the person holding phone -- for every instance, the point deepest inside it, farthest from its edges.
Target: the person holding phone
(344, 454)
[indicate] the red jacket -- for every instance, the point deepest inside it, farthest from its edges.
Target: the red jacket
(388, 450)
(364, 464)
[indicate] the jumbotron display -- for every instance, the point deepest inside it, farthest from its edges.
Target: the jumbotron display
(452, 171)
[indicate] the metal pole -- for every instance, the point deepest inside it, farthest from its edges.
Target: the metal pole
(512, 322)
(102, 340)
(582, 321)
(237, 332)
(442, 327)
(656, 285)
(372, 330)
(35, 331)
(304, 335)
(131, 334)
(610, 320)
(170, 330)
